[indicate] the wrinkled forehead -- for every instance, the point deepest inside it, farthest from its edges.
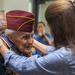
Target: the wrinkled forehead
(20, 33)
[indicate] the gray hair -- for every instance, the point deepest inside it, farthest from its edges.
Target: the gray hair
(9, 31)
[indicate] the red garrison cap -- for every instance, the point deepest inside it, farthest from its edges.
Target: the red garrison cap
(20, 20)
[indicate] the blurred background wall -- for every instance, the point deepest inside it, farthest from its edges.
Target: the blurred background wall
(1, 4)
(41, 13)
(36, 6)
(8, 5)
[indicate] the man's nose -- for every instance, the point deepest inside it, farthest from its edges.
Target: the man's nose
(30, 40)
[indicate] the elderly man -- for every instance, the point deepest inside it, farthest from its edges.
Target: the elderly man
(18, 35)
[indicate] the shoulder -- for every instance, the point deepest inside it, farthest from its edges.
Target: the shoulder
(47, 34)
(63, 51)
(35, 33)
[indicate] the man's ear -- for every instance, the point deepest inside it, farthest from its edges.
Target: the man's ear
(11, 38)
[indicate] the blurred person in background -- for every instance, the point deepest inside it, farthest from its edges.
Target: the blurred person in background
(3, 24)
(42, 36)
(3, 27)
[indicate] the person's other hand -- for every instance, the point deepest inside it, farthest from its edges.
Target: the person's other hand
(3, 25)
(41, 32)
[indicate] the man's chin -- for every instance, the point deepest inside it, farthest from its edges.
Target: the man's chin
(27, 51)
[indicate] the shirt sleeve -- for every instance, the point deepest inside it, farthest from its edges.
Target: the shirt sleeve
(34, 65)
(50, 49)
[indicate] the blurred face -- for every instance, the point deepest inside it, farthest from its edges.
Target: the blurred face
(23, 41)
(40, 28)
(3, 27)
